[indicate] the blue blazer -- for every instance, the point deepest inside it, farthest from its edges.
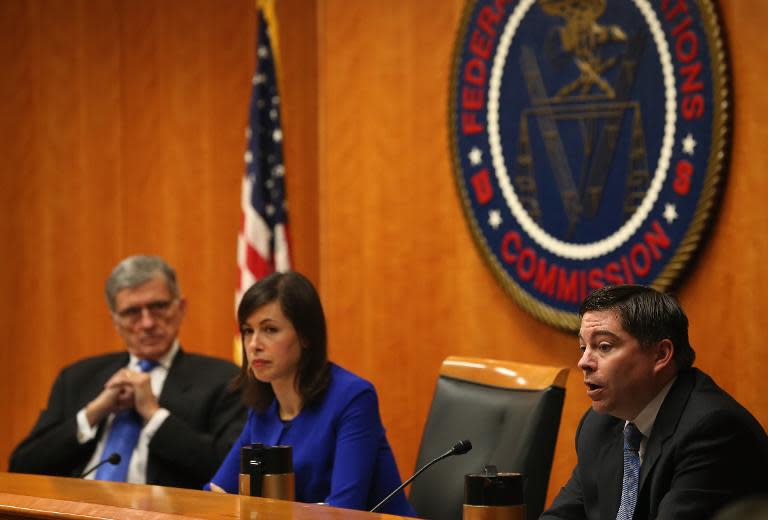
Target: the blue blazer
(340, 451)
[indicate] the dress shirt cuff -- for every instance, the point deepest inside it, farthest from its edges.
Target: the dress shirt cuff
(85, 432)
(154, 423)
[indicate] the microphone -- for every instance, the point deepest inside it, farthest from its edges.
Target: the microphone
(460, 448)
(113, 459)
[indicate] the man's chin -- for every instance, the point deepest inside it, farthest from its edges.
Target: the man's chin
(151, 350)
(605, 409)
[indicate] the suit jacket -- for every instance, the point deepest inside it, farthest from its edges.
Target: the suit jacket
(704, 450)
(205, 419)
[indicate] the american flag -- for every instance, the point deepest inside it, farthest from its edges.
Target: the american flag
(262, 244)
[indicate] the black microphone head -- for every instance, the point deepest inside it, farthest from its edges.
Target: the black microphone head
(461, 447)
(114, 459)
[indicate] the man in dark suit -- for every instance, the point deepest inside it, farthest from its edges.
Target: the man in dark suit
(186, 417)
(661, 440)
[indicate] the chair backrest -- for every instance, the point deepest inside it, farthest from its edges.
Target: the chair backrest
(511, 414)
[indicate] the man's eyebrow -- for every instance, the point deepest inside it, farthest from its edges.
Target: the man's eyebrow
(600, 333)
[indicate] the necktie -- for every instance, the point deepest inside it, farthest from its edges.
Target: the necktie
(629, 483)
(122, 438)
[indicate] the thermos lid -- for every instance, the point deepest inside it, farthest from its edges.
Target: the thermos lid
(493, 489)
(266, 460)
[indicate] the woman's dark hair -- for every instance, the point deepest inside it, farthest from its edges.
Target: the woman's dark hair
(646, 314)
(299, 303)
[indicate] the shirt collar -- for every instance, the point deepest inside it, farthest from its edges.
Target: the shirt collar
(164, 361)
(645, 419)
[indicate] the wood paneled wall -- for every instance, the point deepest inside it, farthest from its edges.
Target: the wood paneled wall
(121, 131)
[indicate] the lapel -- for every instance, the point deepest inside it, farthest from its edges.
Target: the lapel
(94, 382)
(666, 422)
(179, 379)
(611, 469)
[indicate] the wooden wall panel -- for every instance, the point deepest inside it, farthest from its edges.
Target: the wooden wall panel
(121, 127)
(122, 132)
(724, 297)
(298, 48)
(403, 283)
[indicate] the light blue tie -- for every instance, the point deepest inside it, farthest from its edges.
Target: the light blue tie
(122, 438)
(629, 483)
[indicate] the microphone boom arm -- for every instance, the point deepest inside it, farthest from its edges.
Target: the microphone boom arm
(458, 449)
(113, 459)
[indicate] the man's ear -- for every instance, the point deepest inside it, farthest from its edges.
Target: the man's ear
(183, 306)
(115, 322)
(665, 352)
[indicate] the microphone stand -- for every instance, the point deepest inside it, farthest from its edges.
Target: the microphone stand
(113, 459)
(458, 449)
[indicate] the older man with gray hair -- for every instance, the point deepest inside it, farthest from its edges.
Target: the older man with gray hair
(157, 414)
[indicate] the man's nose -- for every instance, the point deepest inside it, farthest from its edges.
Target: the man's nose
(586, 361)
(146, 320)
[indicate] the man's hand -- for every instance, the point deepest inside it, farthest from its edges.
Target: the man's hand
(216, 489)
(125, 390)
(104, 404)
(144, 400)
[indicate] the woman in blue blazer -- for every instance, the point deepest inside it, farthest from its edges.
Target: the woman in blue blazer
(329, 416)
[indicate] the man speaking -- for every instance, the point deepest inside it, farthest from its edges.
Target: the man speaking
(156, 414)
(662, 440)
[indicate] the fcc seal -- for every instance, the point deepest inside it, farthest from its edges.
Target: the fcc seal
(589, 142)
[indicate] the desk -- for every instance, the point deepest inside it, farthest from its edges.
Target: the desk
(36, 496)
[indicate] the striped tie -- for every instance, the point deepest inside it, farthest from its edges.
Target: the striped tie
(122, 438)
(629, 483)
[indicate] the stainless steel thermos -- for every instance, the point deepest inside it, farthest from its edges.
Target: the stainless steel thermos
(267, 471)
(493, 496)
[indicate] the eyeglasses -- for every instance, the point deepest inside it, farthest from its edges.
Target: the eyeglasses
(158, 309)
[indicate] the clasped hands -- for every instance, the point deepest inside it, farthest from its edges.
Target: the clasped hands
(125, 390)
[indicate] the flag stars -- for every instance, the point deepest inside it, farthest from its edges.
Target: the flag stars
(494, 218)
(264, 189)
(475, 156)
(689, 143)
(248, 157)
(670, 213)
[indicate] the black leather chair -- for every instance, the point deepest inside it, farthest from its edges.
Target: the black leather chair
(511, 414)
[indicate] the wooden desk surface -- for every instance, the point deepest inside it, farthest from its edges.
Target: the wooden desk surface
(35, 496)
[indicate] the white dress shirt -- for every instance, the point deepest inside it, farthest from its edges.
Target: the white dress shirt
(645, 419)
